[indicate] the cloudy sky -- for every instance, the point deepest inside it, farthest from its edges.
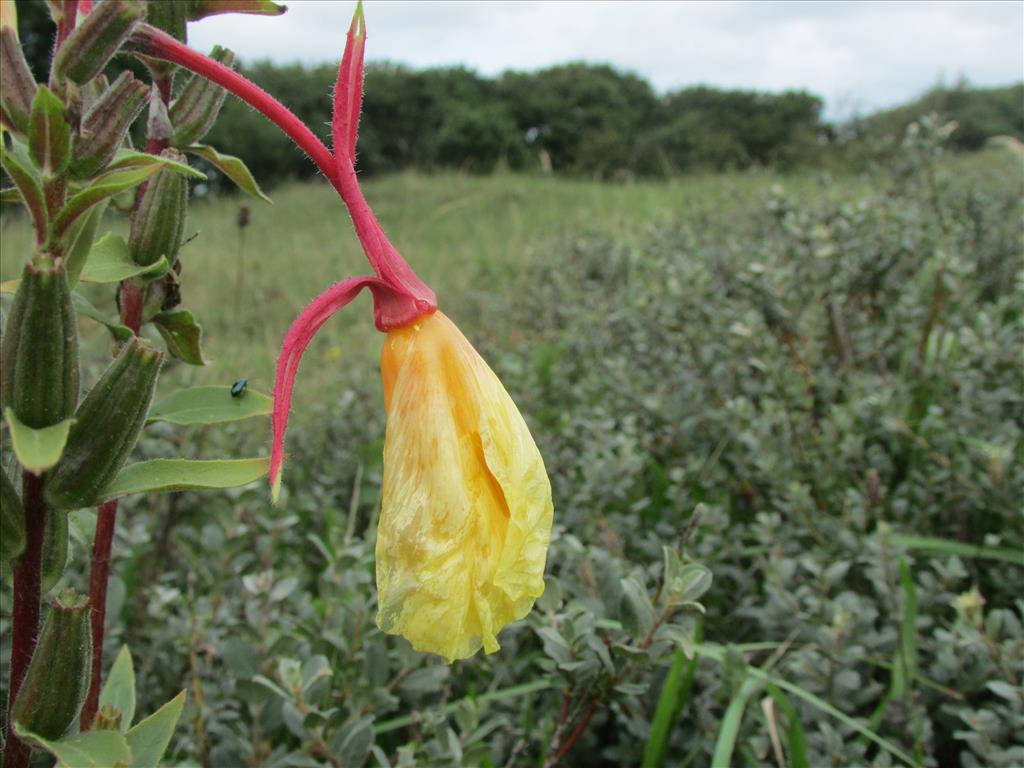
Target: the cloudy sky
(858, 55)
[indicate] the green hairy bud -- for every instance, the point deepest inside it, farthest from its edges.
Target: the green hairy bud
(158, 223)
(17, 85)
(55, 549)
(93, 42)
(12, 520)
(39, 356)
(107, 426)
(57, 680)
(105, 125)
(194, 112)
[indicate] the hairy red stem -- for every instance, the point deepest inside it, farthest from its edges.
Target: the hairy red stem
(154, 42)
(25, 614)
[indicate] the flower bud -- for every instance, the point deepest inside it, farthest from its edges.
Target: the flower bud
(39, 356)
(49, 135)
(105, 125)
(93, 42)
(194, 112)
(107, 426)
(57, 679)
(17, 85)
(12, 520)
(55, 549)
(171, 17)
(158, 223)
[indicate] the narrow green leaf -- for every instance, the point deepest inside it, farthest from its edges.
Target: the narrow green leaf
(110, 261)
(182, 335)
(908, 632)
(200, 9)
(664, 715)
(149, 739)
(92, 749)
(37, 449)
(163, 475)
(28, 183)
(636, 610)
(12, 519)
(232, 167)
(119, 690)
(795, 737)
(80, 239)
(130, 158)
(104, 187)
(959, 548)
(209, 405)
(84, 307)
(730, 727)
(49, 135)
(10, 195)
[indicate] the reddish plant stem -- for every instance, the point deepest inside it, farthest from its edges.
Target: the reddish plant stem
(25, 614)
(154, 42)
(99, 572)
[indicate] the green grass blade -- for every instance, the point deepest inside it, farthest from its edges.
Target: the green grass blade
(795, 737)
(938, 546)
(727, 733)
(654, 751)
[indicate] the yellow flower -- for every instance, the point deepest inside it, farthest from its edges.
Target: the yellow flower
(466, 514)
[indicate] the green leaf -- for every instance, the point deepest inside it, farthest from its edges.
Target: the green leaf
(84, 307)
(80, 239)
(352, 744)
(149, 739)
(200, 9)
(130, 158)
(959, 548)
(119, 690)
(163, 475)
(104, 187)
(636, 609)
(794, 729)
(92, 749)
(664, 715)
(182, 335)
(683, 583)
(10, 195)
(49, 135)
(37, 449)
(725, 744)
(26, 179)
(209, 405)
(110, 261)
(232, 167)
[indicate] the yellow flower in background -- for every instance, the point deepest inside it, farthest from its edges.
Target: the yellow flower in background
(466, 513)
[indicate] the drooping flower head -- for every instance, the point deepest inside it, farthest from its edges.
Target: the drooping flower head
(466, 513)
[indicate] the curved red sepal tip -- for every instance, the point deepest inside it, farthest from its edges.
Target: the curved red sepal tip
(391, 309)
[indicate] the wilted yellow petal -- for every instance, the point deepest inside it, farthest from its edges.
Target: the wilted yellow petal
(466, 514)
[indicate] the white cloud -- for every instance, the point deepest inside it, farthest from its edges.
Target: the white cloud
(858, 55)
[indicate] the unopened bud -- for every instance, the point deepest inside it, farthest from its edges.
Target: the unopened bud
(194, 112)
(94, 42)
(17, 85)
(107, 426)
(57, 679)
(39, 357)
(158, 223)
(12, 519)
(49, 135)
(55, 549)
(171, 17)
(105, 125)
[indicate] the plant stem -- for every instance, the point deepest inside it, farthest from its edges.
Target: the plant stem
(25, 613)
(99, 573)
